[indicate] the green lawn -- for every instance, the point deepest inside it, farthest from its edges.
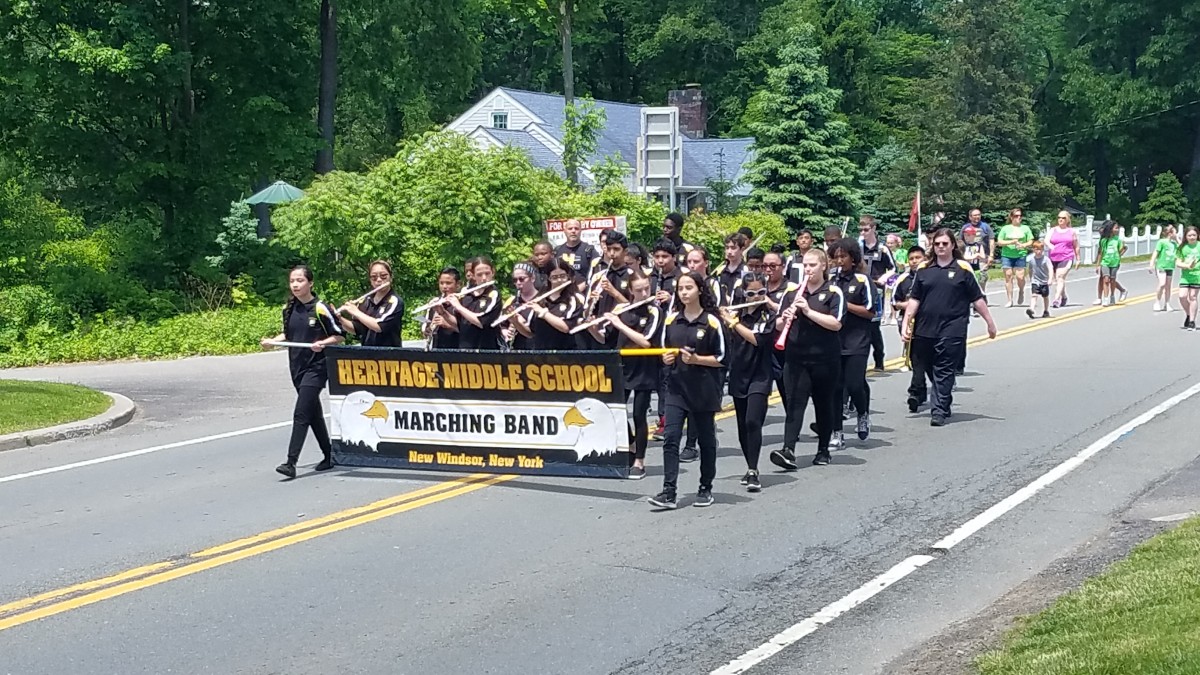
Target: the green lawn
(34, 405)
(1140, 617)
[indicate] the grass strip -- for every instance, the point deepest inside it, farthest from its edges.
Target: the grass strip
(36, 405)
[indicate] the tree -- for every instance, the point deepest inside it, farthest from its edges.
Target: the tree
(1166, 204)
(327, 85)
(582, 125)
(799, 169)
(975, 140)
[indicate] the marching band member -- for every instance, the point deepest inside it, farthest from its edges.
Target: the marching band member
(375, 321)
(754, 259)
(672, 231)
(306, 319)
(795, 262)
(697, 261)
(729, 274)
(900, 295)
(611, 288)
(812, 316)
(777, 286)
(638, 327)
(441, 325)
(638, 259)
(858, 293)
(524, 278)
(543, 258)
(553, 319)
(662, 284)
(476, 311)
(693, 384)
(879, 267)
(580, 255)
(751, 366)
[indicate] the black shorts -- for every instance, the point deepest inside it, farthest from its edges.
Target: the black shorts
(1041, 289)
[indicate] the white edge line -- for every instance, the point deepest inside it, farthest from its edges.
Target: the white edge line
(828, 613)
(1020, 496)
(143, 451)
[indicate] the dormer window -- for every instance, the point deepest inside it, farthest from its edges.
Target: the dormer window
(499, 120)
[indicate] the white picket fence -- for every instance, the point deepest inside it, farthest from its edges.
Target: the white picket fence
(1138, 241)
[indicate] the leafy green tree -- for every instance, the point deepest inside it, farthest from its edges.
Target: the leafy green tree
(611, 170)
(1166, 205)
(582, 126)
(800, 169)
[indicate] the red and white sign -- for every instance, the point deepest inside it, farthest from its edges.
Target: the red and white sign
(590, 229)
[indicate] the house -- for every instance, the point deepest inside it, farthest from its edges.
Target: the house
(664, 146)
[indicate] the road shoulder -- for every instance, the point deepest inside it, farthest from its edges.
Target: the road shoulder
(119, 413)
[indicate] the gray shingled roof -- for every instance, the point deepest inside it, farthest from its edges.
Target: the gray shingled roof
(539, 155)
(702, 157)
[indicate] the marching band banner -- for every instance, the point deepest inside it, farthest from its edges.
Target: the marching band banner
(589, 229)
(549, 413)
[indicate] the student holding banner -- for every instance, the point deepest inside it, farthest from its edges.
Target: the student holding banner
(750, 370)
(307, 320)
(693, 384)
(638, 327)
(476, 311)
(375, 318)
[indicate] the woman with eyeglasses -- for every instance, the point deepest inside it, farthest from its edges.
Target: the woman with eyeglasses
(943, 292)
(751, 364)
(375, 320)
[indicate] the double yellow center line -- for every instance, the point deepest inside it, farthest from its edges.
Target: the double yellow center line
(81, 595)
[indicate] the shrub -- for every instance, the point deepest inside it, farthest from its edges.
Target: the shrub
(710, 229)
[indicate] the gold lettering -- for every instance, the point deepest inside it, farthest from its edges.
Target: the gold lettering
(406, 379)
(345, 373)
(359, 378)
(514, 376)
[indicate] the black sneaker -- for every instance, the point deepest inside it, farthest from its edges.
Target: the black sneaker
(784, 459)
(1046, 314)
(1029, 313)
(753, 485)
(821, 458)
(664, 500)
(913, 404)
(937, 421)
(864, 427)
(637, 472)
(324, 465)
(688, 455)
(286, 469)
(1186, 324)
(746, 479)
(704, 497)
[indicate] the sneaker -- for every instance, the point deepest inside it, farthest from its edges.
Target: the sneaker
(913, 404)
(689, 455)
(1064, 301)
(1105, 303)
(1055, 304)
(821, 458)
(324, 465)
(1021, 298)
(704, 498)
(1009, 303)
(746, 479)
(1192, 327)
(664, 500)
(937, 421)
(752, 484)
(904, 369)
(1186, 323)
(1158, 306)
(812, 426)
(1046, 315)
(1122, 296)
(784, 459)
(660, 429)
(1029, 313)
(837, 441)
(864, 426)
(1097, 301)
(288, 469)
(637, 472)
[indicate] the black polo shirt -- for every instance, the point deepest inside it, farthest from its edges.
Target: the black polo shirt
(751, 366)
(682, 249)
(879, 258)
(946, 294)
(730, 279)
(442, 338)
(641, 372)
(806, 340)
(486, 304)
(857, 289)
(696, 388)
(520, 343)
(388, 312)
(582, 257)
(308, 322)
(621, 279)
(566, 306)
(902, 291)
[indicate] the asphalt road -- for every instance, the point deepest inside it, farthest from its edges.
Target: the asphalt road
(555, 575)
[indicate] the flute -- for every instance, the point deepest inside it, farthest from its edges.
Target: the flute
(744, 305)
(434, 303)
(624, 307)
(781, 342)
(510, 313)
(368, 294)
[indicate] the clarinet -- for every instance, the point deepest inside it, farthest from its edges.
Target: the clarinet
(781, 342)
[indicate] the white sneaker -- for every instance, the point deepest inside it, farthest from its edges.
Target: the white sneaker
(1124, 294)
(1097, 301)
(1158, 306)
(1009, 303)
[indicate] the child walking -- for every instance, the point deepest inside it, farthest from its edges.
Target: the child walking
(1041, 271)
(1162, 264)
(1188, 262)
(1108, 263)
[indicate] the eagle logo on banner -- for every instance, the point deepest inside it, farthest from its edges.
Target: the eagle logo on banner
(597, 429)
(358, 417)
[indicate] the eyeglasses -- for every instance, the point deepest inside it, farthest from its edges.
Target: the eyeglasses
(771, 266)
(559, 277)
(518, 280)
(942, 243)
(755, 294)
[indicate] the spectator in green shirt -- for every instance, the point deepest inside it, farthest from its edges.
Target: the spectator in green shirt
(1013, 242)
(1162, 264)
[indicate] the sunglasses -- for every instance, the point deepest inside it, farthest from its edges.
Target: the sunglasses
(755, 294)
(942, 243)
(771, 266)
(520, 279)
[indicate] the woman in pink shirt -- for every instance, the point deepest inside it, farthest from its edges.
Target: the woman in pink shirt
(1064, 255)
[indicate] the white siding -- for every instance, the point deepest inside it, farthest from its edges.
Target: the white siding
(480, 115)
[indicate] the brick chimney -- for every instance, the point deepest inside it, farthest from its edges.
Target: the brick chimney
(693, 112)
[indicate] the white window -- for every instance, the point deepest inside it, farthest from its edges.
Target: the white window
(499, 120)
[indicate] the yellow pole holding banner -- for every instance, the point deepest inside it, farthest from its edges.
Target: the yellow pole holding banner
(652, 351)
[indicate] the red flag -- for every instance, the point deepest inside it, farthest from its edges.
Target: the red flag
(914, 215)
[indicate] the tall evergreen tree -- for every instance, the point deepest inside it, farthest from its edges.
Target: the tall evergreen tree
(1166, 204)
(800, 169)
(975, 138)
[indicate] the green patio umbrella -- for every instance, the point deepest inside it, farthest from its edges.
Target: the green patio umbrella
(278, 193)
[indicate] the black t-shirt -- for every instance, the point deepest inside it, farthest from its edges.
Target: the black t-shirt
(486, 304)
(730, 279)
(621, 279)
(682, 249)
(520, 343)
(903, 290)
(806, 340)
(751, 367)
(566, 306)
(693, 387)
(308, 322)
(388, 312)
(945, 295)
(641, 372)
(857, 289)
(582, 257)
(793, 267)
(442, 338)
(879, 259)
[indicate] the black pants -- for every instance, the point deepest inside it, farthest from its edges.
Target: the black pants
(936, 359)
(751, 414)
(706, 428)
(308, 415)
(877, 342)
(853, 385)
(639, 429)
(817, 379)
